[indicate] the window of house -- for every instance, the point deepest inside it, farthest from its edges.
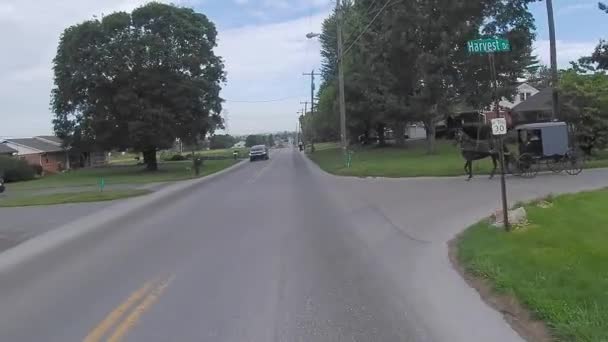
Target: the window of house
(522, 97)
(528, 95)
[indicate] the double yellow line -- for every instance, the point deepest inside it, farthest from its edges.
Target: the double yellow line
(128, 313)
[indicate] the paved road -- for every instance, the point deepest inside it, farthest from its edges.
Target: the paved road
(274, 251)
(20, 224)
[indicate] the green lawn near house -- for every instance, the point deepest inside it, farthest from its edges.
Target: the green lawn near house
(410, 161)
(227, 152)
(71, 197)
(556, 266)
(121, 174)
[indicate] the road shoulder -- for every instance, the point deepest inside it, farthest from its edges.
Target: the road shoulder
(513, 312)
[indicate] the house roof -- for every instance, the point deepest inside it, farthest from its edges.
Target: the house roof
(50, 138)
(36, 144)
(539, 125)
(4, 149)
(539, 102)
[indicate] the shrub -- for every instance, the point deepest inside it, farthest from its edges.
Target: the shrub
(172, 157)
(177, 157)
(37, 169)
(14, 170)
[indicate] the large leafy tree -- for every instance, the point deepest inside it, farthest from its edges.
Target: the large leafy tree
(584, 98)
(407, 60)
(599, 58)
(138, 80)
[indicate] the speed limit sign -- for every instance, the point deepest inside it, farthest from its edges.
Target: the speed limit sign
(499, 126)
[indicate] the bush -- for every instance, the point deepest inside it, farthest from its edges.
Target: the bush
(177, 157)
(14, 170)
(172, 157)
(37, 169)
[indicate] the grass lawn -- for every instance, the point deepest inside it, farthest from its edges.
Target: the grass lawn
(243, 152)
(126, 159)
(397, 162)
(73, 197)
(556, 267)
(412, 161)
(129, 174)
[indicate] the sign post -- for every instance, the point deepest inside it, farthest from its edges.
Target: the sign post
(499, 124)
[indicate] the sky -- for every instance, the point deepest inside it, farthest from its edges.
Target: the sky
(262, 42)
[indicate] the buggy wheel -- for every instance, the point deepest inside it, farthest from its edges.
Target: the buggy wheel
(556, 165)
(527, 166)
(573, 163)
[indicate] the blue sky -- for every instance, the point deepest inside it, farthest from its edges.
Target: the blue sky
(262, 42)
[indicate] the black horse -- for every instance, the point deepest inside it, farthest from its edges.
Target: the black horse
(477, 150)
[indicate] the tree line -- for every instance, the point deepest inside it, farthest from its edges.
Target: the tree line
(407, 62)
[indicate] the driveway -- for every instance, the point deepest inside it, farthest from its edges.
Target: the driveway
(274, 251)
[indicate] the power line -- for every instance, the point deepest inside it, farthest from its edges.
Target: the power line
(367, 27)
(368, 11)
(263, 101)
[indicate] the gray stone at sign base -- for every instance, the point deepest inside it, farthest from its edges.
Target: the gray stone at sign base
(516, 216)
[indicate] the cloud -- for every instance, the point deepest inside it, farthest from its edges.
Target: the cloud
(581, 6)
(266, 62)
(567, 51)
(241, 2)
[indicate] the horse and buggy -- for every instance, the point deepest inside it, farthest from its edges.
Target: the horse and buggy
(539, 145)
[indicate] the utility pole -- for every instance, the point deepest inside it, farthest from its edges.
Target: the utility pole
(342, 101)
(553, 47)
(305, 103)
(312, 75)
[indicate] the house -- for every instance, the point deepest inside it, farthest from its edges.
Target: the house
(524, 92)
(5, 150)
(537, 108)
(50, 156)
(48, 152)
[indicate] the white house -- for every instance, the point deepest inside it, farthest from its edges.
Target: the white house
(524, 91)
(240, 144)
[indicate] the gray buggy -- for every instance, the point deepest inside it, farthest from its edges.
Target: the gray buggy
(546, 143)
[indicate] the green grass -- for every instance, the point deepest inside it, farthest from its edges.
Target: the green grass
(243, 152)
(557, 266)
(126, 159)
(71, 197)
(412, 161)
(397, 162)
(132, 174)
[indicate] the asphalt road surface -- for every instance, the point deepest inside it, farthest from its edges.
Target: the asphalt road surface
(273, 251)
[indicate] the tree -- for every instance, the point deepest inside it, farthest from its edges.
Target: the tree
(585, 106)
(253, 140)
(540, 77)
(221, 141)
(270, 140)
(138, 80)
(599, 57)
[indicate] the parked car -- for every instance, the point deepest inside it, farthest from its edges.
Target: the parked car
(258, 152)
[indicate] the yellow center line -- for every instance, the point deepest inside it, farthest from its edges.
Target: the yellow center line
(112, 318)
(127, 324)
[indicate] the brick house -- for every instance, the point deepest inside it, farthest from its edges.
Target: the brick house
(48, 152)
(49, 155)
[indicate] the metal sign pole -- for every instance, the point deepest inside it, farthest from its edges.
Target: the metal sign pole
(503, 185)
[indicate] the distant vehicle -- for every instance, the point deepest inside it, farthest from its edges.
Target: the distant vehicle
(258, 152)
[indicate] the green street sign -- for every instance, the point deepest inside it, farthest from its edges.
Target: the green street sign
(488, 45)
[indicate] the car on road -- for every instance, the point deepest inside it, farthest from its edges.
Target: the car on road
(259, 152)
